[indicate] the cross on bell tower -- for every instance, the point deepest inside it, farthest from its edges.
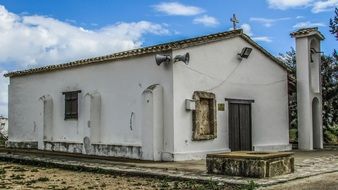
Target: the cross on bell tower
(234, 21)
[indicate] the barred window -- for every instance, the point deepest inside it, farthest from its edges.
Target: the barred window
(71, 104)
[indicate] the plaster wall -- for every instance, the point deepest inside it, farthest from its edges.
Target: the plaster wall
(113, 98)
(216, 68)
(114, 89)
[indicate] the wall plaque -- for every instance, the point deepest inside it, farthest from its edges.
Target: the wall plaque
(204, 116)
(221, 107)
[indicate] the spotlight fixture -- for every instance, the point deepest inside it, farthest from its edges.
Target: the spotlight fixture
(246, 51)
(162, 59)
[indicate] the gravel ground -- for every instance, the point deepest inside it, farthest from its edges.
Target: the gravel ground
(15, 176)
(320, 182)
(22, 177)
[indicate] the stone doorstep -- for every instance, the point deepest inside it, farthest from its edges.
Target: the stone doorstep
(69, 164)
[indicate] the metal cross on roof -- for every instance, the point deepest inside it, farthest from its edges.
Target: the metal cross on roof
(234, 21)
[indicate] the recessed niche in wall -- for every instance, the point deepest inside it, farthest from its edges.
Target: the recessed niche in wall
(204, 117)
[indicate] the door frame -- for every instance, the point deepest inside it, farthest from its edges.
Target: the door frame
(240, 101)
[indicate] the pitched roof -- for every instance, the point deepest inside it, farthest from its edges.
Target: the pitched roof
(147, 50)
(307, 32)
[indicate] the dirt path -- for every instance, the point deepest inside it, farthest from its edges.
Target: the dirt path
(321, 182)
(22, 177)
(15, 176)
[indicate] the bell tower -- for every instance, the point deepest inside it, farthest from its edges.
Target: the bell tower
(309, 88)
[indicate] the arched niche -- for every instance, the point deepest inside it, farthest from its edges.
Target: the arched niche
(315, 61)
(47, 117)
(93, 129)
(316, 124)
(152, 123)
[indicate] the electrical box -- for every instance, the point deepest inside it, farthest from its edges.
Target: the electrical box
(190, 104)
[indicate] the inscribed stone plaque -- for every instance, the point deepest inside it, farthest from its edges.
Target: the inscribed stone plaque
(204, 116)
(221, 107)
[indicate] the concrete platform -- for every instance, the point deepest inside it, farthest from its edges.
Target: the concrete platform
(306, 164)
(251, 164)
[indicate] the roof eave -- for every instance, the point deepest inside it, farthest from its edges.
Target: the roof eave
(132, 53)
(265, 52)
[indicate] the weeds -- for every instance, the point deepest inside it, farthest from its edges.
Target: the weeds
(17, 177)
(2, 171)
(250, 186)
(43, 179)
(19, 169)
(34, 170)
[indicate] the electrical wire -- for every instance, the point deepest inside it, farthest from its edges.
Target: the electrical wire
(221, 83)
(230, 74)
(201, 73)
(259, 84)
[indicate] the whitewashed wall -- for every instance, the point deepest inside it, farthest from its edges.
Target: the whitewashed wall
(257, 78)
(120, 86)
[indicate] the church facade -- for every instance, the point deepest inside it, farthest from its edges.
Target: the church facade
(169, 102)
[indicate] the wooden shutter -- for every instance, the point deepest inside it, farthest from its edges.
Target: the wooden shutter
(71, 104)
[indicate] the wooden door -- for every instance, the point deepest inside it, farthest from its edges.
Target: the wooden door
(240, 126)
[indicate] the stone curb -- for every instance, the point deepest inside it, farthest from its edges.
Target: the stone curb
(70, 164)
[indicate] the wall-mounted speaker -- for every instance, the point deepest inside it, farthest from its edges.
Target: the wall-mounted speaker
(162, 59)
(184, 58)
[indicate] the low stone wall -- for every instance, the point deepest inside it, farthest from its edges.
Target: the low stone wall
(70, 147)
(250, 164)
(125, 151)
(134, 152)
(24, 144)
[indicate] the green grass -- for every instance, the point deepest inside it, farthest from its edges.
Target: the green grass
(293, 135)
(250, 186)
(2, 171)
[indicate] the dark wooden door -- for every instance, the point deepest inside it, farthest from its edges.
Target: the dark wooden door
(239, 126)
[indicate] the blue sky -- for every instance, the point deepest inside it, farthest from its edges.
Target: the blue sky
(35, 32)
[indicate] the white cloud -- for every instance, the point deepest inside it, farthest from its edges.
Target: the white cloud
(308, 24)
(175, 8)
(247, 29)
(262, 38)
(285, 4)
(40, 40)
(267, 22)
(206, 20)
(27, 41)
(317, 5)
(3, 93)
(300, 17)
(325, 5)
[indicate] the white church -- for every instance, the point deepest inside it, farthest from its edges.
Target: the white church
(170, 102)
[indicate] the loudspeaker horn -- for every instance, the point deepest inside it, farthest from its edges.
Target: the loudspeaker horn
(185, 58)
(162, 59)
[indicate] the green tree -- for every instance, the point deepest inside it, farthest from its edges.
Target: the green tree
(334, 24)
(330, 90)
(329, 73)
(289, 58)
